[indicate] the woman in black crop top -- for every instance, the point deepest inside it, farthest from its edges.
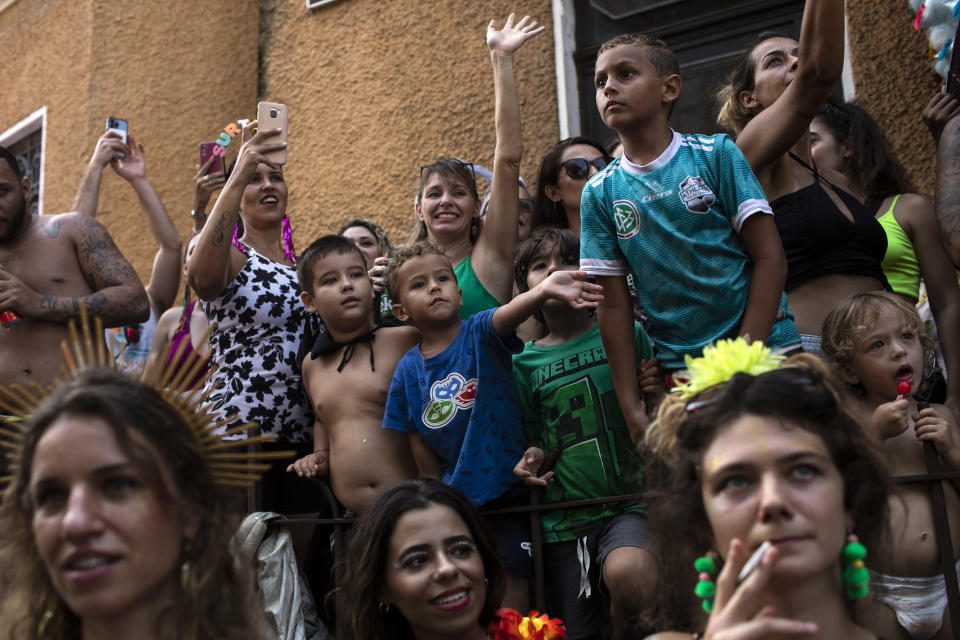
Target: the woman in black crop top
(834, 248)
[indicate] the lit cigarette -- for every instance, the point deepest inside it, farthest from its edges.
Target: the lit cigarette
(753, 562)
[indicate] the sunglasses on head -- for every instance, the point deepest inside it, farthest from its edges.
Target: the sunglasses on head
(579, 168)
(461, 163)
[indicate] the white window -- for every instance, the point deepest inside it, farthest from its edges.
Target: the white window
(26, 140)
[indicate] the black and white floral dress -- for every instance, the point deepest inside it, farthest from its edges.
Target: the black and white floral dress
(259, 318)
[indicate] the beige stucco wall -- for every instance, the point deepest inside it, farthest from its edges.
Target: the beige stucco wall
(376, 89)
(894, 80)
(177, 70)
(47, 61)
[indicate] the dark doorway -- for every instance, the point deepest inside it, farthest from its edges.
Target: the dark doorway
(707, 36)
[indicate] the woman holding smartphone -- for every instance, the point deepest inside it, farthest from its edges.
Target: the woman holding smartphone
(772, 458)
(243, 266)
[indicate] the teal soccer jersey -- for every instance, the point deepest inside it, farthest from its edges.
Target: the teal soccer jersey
(675, 224)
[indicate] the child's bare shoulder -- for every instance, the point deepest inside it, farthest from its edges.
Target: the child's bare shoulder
(404, 337)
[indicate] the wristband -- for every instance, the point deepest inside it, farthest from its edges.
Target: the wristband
(321, 450)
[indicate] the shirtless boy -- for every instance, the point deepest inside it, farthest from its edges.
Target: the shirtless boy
(347, 376)
(48, 265)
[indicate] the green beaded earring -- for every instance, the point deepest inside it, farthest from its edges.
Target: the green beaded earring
(856, 578)
(706, 566)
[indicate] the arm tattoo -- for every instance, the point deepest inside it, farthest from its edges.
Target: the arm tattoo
(220, 229)
(118, 294)
(948, 184)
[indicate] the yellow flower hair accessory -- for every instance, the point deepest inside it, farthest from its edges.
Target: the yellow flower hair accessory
(723, 359)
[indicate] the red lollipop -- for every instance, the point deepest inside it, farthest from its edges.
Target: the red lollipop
(903, 387)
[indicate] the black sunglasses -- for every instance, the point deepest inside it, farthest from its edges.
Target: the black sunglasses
(579, 168)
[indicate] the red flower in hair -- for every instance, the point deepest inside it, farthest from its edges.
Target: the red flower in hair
(535, 626)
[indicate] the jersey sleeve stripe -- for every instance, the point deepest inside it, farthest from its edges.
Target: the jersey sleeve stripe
(597, 267)
(747, 208)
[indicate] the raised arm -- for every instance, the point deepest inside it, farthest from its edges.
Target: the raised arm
(204, 186)
(160, 347)
(108, 146)
(947, 200)
(567, 286)
(165, 278)
(816, 69)
(118, 297)
(214, 261)
(492, 257)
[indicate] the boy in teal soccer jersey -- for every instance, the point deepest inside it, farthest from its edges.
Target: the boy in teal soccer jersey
(569, 406)
(686, 214)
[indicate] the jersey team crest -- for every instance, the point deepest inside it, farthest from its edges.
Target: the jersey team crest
(627, 219)
(696, 195)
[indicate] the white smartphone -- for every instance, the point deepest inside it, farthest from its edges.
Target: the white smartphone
(121, 127)
(273, 115)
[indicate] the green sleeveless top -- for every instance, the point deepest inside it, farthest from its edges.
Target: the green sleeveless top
(900, 261)
(475, 297)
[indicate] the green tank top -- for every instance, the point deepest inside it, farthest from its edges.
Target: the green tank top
(900, 261)
(475, 297)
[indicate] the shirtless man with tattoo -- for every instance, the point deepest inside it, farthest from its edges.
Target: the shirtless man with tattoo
(48, 265)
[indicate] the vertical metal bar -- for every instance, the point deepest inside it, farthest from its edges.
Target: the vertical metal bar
(942, 529)
(338, 541)
(536, 535)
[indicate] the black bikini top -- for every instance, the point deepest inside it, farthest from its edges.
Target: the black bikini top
(819, 240)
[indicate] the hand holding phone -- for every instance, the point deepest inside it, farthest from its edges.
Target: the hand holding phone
(207, 152)
(120, 126)
(273, 115)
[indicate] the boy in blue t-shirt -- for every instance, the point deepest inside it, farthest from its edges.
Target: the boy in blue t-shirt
(454, 392)
(684, 213)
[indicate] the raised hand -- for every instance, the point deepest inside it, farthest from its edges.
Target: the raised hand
(572, 287)
(134, 165)
(108, 146)
(204, 186)
(512, 36)
(938, 112)
(254, 150)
